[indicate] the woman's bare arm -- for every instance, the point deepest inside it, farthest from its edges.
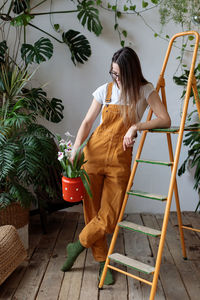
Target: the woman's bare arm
(162, 120)
(87, 123)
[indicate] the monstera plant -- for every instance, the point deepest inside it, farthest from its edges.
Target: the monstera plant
(25, 14)
(29, 169)
(27, 149)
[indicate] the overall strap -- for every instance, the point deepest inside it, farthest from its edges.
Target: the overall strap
(109, 92)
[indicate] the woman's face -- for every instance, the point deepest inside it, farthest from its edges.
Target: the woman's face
(116, 73)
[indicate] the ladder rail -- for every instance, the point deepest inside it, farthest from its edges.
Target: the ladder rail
(176, 159)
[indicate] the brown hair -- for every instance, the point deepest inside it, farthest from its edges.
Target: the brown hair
(131, 79)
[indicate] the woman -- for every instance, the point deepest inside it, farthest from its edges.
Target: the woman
(109, 150)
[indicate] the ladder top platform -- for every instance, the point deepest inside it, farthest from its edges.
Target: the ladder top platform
(175, 129)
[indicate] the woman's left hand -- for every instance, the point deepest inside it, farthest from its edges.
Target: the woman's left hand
(129, 138)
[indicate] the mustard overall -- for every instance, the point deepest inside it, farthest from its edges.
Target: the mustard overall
(108, 167)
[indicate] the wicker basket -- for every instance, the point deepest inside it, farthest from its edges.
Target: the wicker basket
(12, 251)
(14, 215)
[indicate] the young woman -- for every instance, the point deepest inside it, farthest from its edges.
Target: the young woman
(109, 150)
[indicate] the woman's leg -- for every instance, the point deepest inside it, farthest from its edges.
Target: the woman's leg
(93, 234)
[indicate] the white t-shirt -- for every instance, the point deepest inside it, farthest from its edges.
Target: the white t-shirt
(145, 91)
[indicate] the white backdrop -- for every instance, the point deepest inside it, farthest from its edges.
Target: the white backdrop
(74, 85)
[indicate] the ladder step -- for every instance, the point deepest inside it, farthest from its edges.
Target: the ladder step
(155, 162)
(139, 228)
(147, 195)
(132, 263)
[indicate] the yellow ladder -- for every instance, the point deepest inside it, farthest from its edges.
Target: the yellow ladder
(124, 260)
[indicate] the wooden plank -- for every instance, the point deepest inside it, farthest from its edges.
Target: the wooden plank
(194, 220)
(89, 289)
(170, 278)
(137, 247)
(53, 273)
(72, 280)
(190, 272)
(139, 228)
(33, 276)
(119, 290)
(132, 263)
(8, 288)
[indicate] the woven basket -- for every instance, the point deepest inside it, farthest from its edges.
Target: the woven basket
(12, 251)
(14, 215)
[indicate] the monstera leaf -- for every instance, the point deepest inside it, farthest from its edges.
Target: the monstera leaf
(20, 5)
(41, 51)
(3, 48)
(87, 13)
(78, 45)
(36, 101)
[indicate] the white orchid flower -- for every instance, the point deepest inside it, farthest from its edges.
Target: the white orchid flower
(69, 134)
(60, 155)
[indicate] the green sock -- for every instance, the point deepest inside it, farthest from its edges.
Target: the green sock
(73, 251)
(109, 277)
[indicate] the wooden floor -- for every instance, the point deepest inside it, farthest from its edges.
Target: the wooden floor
(40, 277)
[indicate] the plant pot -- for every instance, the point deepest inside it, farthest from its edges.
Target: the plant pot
(17, 216)
(73, 189)
(14, 215)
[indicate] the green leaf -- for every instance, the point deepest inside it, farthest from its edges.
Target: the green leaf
(41, 51)
(86, 185)
(155, 34)
(56, 27)
(37, 101)
(119, 14)
(90, 15)
(116, 26)
(3, 49)
(114, 7)
(124, 32)
(132, 7)
(78, 45)
(144, 4)
(190, 37)
(125, 8)
(21, 20)
(122, 43)
(20, 5)
(154, 1)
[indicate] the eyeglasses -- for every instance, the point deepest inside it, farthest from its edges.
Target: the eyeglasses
(114, 75)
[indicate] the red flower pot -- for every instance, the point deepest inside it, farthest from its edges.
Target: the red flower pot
(73, 189)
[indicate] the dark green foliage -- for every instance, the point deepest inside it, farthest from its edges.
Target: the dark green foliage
(192, 140)
(20, 6)
(28, 153)
(78, 45)
(3, 48)
(41, 51)
(90, 16)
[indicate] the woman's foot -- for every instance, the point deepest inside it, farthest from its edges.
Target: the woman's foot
(109, 277)
(73, 251)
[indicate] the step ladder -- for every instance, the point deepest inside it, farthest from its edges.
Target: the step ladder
(173, 164)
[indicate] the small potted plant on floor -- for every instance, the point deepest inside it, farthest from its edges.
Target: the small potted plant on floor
(75, 179)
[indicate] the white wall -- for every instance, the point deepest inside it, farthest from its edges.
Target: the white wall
(75, 86)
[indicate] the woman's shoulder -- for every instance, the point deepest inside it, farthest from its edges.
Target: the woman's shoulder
(100, 93)
(147, 89)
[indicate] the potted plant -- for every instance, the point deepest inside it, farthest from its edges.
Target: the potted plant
(75, 179)
(27, 149)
